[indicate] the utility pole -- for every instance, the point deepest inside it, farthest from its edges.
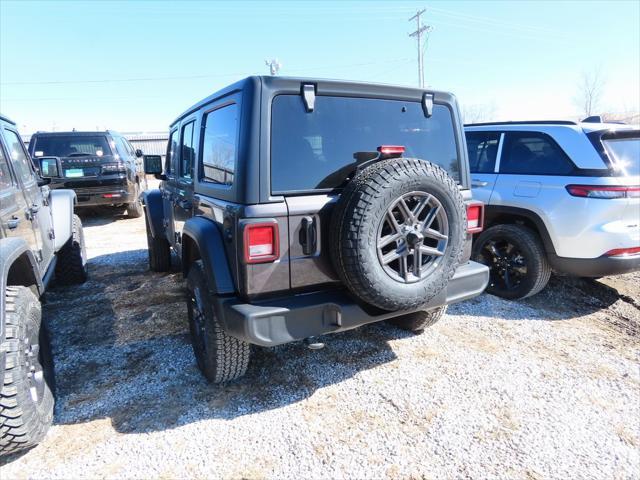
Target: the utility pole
(419, 34)
(274, 66)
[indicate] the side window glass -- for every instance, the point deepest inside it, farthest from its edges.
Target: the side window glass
(18, 156)
(172, 149)
(5, 175)
(220, 145)
(122, 148)
(533, 154)
(483, 150)
(188, 152)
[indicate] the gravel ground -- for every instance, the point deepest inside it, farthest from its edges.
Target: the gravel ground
(544, 388)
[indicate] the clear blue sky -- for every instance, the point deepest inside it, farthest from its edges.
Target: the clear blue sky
(134, 66)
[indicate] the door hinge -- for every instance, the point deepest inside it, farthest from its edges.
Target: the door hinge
(52, 234)
(165, 223)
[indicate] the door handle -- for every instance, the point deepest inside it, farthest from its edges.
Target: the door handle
(478, 183)
(308, 236)
(13, 222)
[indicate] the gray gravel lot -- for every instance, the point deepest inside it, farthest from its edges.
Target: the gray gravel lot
(544, 388)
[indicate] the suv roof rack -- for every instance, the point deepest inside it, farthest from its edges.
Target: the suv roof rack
(523, 122)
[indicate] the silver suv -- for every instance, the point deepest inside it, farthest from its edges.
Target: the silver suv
(559, 195)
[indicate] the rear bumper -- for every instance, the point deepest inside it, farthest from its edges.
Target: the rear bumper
(595, 267)
(110, 190)
(280, 321)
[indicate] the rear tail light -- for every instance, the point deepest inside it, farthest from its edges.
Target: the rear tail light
(475, 217)
(603, 191)
(623, 252)
(261, 242)
(391, 149)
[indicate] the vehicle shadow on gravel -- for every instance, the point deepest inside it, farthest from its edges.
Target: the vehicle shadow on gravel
(563, 298)
(98, 216)
(122, 351)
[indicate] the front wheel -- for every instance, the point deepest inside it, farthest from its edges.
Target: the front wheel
(516, 260)
(220, 356)
(26, 395)
(158, 250)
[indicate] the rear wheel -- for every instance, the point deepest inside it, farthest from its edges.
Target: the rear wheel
(516, 259)
(71, 266)
(417, 321)
(220, 356)
(135, 209)
(26, 396)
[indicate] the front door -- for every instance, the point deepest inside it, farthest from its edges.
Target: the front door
(168, 187)
(13, 206)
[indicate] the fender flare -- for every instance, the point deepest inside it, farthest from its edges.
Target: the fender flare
(62, 203)
(493, 212)
(152, 201)
(12, 249)
(207, 237)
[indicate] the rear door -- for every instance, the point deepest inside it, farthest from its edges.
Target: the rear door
(484, 150)
(37, 210)
(13, 205)
(182, 197)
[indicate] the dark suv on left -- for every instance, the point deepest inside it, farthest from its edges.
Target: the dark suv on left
(101, 167)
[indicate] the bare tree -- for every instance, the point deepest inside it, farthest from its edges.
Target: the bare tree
(478, 113)
(590, 92)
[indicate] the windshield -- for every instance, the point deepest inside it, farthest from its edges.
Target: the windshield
(625, 153)
(311, 151)
(71, 146)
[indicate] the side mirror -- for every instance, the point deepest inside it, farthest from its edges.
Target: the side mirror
(139, 153)
(50, 167)
(152, 164)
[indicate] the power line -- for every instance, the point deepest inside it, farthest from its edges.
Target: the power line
(421, 30)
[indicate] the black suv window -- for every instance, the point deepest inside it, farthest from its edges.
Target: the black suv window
(70, 146)
(5, 175)
(220, 145)
(188, 152)
(309, 149)
(533, 153)
(483, 150)
(172, 149)
(18, 156)
(121, 147)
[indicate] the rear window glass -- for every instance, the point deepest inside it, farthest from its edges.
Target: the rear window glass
(308, 150)
(625, 153)
(71, 146)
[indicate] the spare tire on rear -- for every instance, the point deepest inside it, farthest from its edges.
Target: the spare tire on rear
(399, 231)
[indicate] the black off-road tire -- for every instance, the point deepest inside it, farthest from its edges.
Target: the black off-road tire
(71, 266)
(158, 250)
(220, 356)
(24, 421)
(358, 214)
(538, 270)
(135, 208)
(417, 321)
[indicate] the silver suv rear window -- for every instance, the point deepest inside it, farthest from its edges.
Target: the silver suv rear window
(625, 155)
(307, 148)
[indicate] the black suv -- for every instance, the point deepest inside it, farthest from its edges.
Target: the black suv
(40, 239)
(101, 167)
(304, 207)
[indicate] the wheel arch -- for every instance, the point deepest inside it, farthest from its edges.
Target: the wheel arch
(202, 240)
(497, 215)
(18, 266)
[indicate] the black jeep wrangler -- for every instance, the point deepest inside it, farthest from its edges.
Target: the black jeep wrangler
(40, 240)
(101, 167)
(304, 207)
